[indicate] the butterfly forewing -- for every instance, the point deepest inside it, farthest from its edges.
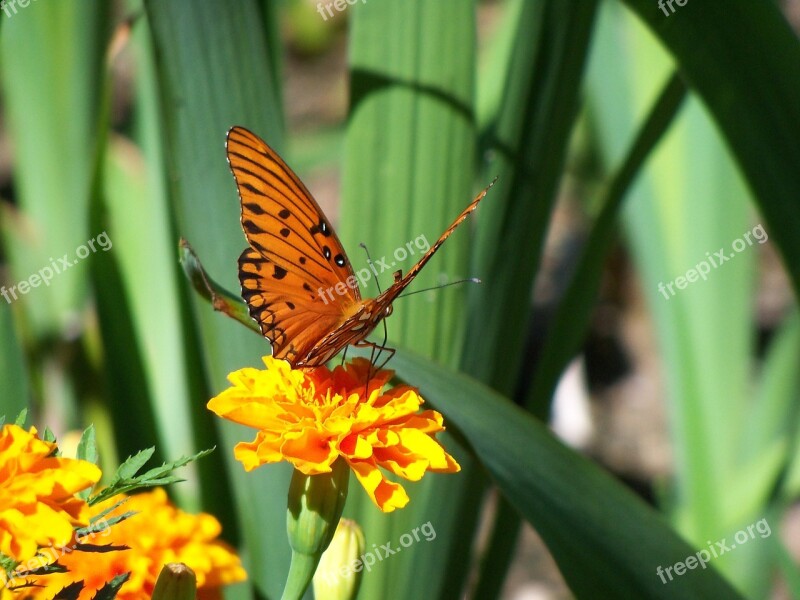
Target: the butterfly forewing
(281, 219)
(294, 258)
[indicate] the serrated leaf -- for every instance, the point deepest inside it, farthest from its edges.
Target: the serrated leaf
(116, 505)
(109, 590)
(159, 476)
(71, 592)
(167, 467)
(129, 468)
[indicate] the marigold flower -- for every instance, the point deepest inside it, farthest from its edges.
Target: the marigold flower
(310, 418)
(158, 534)
(38, 502)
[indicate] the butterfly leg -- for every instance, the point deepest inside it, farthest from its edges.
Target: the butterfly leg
(373, 356)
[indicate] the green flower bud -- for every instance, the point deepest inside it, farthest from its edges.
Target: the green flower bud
(315, 507)
(175, 582)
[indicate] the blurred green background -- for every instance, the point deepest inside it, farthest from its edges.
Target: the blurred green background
(606, 429)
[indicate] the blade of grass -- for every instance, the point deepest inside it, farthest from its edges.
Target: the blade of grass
(690, 202)
(52, 56)
(14, 387)
(754, 97)
(215, 71)
(409, 155)
(606, 541)
(529, 134)
(566, 333)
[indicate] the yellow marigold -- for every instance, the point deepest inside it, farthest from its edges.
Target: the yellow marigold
(312, 417)
(38, 505)
(160, 533)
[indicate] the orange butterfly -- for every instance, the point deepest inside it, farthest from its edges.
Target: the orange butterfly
(293, 253)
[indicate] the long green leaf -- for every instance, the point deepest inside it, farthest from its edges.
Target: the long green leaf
(409, 162)
(606, 541)
(52, 69)
(215, 72)
(754, 97)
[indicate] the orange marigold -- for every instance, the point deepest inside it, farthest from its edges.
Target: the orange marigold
(312, 417)
(38, 505)
(158, 534)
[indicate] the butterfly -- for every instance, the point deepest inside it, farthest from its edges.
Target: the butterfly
(294, 254)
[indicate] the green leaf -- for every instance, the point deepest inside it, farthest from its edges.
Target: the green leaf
(109, 590)
(754, 97)
(132, 464)
(52, 56)
(215, 69)
(87, 446)
(568, 329)
(21, 418)
(606, 541)
(126, 480)
(409, 161)
(14, 384)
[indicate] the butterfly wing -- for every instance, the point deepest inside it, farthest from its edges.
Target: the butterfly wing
(386, 298)
(294, 275)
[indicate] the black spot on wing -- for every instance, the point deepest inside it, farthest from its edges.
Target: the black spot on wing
(252, 228)
(339, 260)
(285, 213)
(255, 208)
(252, 189)
(279, 273)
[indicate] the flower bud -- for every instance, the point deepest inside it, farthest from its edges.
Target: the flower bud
(315, 507)
(175, 582)
(338, 575)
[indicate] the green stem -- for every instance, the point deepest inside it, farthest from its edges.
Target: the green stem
(301, 571)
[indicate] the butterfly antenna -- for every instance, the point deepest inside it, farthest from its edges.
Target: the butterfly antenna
(369, 262)
(444, 285)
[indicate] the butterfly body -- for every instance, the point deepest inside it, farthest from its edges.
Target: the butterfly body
(295, 257)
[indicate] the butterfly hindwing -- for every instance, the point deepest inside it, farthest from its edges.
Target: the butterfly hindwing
(288, 310)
